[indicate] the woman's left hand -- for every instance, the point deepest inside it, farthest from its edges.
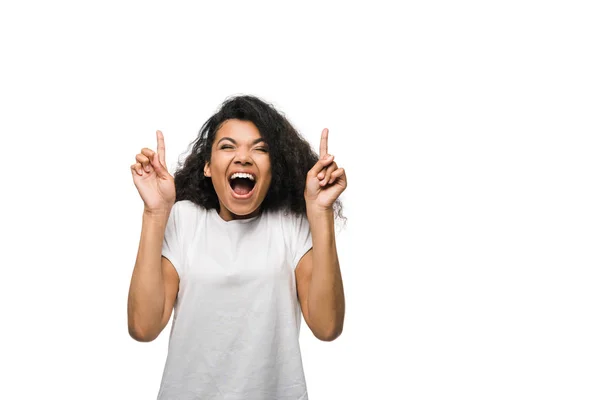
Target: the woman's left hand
(325, 181)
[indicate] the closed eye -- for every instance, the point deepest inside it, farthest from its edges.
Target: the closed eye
(263, 149)
(226, 146)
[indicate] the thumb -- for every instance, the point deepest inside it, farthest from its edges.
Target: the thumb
(321, 164)
(158, 167)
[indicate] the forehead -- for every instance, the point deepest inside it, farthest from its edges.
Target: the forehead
(238, 130)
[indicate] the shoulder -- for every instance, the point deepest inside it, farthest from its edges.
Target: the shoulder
(188, 214)
(291, 224)
(283, 217)
(186, 207)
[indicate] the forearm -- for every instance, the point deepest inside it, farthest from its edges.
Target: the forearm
(146, 300)
(326, 304)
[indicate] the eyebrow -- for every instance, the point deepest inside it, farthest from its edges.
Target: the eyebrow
(234, 142)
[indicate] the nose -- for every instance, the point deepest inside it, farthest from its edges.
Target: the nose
(242, 156)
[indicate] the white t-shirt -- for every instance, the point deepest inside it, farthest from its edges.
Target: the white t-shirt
(237, 317)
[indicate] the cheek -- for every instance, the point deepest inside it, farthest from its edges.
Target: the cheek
(266, 167)
(268, 181)
(268, 177)
(218, 165)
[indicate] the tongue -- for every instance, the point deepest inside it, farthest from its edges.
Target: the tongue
(241, 186)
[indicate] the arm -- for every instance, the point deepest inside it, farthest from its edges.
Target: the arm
(318, 275)
(319, 279)
(154, 282)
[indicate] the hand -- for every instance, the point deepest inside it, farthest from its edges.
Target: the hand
(152, 179)
(325, 181)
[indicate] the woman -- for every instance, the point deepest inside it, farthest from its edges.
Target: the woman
(239, 243)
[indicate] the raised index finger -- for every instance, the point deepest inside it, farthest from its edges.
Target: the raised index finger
(323, 147)
(160, 147)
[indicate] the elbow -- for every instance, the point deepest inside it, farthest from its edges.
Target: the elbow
(329, 335)
(326, 328)
(140, 334)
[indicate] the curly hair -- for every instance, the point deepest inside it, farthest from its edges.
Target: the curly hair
(290, 154)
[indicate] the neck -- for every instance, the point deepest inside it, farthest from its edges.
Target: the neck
(227, 215)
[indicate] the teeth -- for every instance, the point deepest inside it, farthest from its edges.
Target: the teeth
(242, 175)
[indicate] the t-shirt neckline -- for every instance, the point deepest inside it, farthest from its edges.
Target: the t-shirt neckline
(221, 221)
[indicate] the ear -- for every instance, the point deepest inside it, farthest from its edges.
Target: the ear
(207, 170)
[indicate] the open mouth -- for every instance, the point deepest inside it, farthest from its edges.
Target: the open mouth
(242, 184)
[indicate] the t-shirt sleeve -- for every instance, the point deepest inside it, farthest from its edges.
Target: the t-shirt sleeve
(172, 247)
(300, 237)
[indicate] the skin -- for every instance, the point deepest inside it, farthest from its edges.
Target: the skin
(154, 281)
(238, 146)
(155, 285)
(318, 275)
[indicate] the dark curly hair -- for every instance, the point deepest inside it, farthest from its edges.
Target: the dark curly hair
(290, 154)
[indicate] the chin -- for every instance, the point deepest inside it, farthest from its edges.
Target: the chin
(244, 205)
(241, 205)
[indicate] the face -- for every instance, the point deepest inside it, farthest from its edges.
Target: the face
(240, 169)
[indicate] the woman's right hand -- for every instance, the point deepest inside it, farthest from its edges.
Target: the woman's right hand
(152, 179)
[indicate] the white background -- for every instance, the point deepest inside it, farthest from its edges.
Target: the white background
(469, 132)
